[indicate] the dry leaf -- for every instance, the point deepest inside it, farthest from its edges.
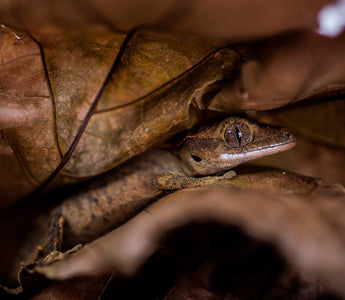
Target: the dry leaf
(98, 206)
(319, 128)
(319, 122)
(220, 18)
(307, 230)
(63, 113)
(289, 68)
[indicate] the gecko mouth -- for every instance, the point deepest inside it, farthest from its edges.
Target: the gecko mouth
(264, 151)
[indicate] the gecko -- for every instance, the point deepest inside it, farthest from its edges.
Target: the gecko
(204, 157)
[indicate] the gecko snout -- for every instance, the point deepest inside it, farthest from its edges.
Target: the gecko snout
(288, 137)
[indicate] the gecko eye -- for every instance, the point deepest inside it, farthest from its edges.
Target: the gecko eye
(237, 135)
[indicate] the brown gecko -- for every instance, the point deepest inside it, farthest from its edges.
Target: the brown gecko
(203, 158)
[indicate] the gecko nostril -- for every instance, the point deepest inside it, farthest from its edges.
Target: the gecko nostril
(196, 158)
(287, 135)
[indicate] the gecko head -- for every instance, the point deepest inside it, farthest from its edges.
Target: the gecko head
(226, 144)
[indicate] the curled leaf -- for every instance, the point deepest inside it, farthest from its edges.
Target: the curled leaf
(288, 69)
(64, 119)
(307, 230)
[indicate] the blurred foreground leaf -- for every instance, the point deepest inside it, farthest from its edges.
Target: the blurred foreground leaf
(307, 230)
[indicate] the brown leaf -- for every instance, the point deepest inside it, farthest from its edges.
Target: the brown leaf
(220, 18)
(319, 128)
(307, 230)
(290, 68)
(320, 122)
(25, 116)
(64, 119)
(310, 159)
